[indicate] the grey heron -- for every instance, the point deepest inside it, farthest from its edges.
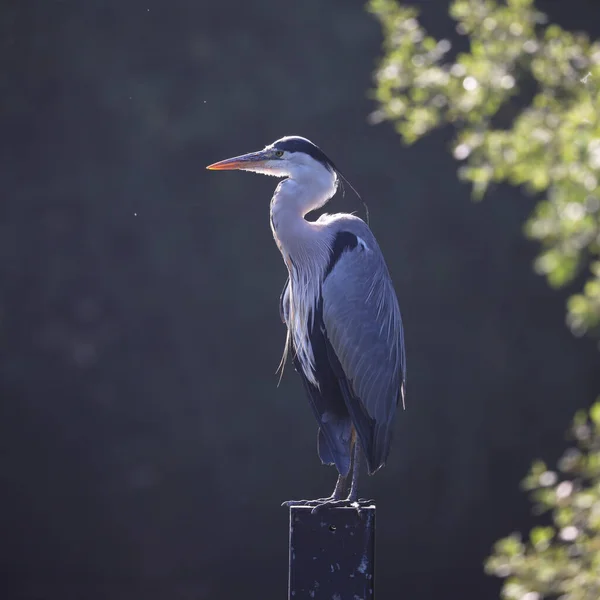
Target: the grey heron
(344, 329)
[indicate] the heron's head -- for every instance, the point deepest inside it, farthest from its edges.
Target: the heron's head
(290, 156)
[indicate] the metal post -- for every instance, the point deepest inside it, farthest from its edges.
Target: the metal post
(332, 553)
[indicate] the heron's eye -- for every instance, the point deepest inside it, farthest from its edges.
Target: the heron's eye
(278, 153)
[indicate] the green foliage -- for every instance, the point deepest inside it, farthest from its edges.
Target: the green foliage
(525, 102)
(561, 560)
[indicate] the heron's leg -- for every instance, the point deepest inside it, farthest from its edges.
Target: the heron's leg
(337, 497)
(339, 490)
(352, 500)
(353, 494)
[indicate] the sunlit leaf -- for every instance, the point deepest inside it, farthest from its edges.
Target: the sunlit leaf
(552, 146)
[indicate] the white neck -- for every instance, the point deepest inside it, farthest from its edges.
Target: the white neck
(294, 197)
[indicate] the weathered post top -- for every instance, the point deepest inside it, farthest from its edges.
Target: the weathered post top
(332, 553)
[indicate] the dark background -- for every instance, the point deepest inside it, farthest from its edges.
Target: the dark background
(145, 447)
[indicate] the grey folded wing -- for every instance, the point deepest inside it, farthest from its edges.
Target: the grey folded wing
(365, 334)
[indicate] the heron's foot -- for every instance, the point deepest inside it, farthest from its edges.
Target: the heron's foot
(306, 502)
(347, 503)
(364, 502)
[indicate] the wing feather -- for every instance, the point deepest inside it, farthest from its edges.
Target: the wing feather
(366, 344)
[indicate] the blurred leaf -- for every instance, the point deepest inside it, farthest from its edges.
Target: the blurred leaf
(562, 559)
(552, 146)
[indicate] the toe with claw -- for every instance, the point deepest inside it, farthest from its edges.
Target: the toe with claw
(290, 503)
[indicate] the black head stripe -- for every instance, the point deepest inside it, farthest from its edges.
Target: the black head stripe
(295, 143)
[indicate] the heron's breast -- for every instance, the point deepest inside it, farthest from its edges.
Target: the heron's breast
(304, 301)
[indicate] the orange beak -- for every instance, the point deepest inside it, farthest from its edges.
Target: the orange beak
(252, 159)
